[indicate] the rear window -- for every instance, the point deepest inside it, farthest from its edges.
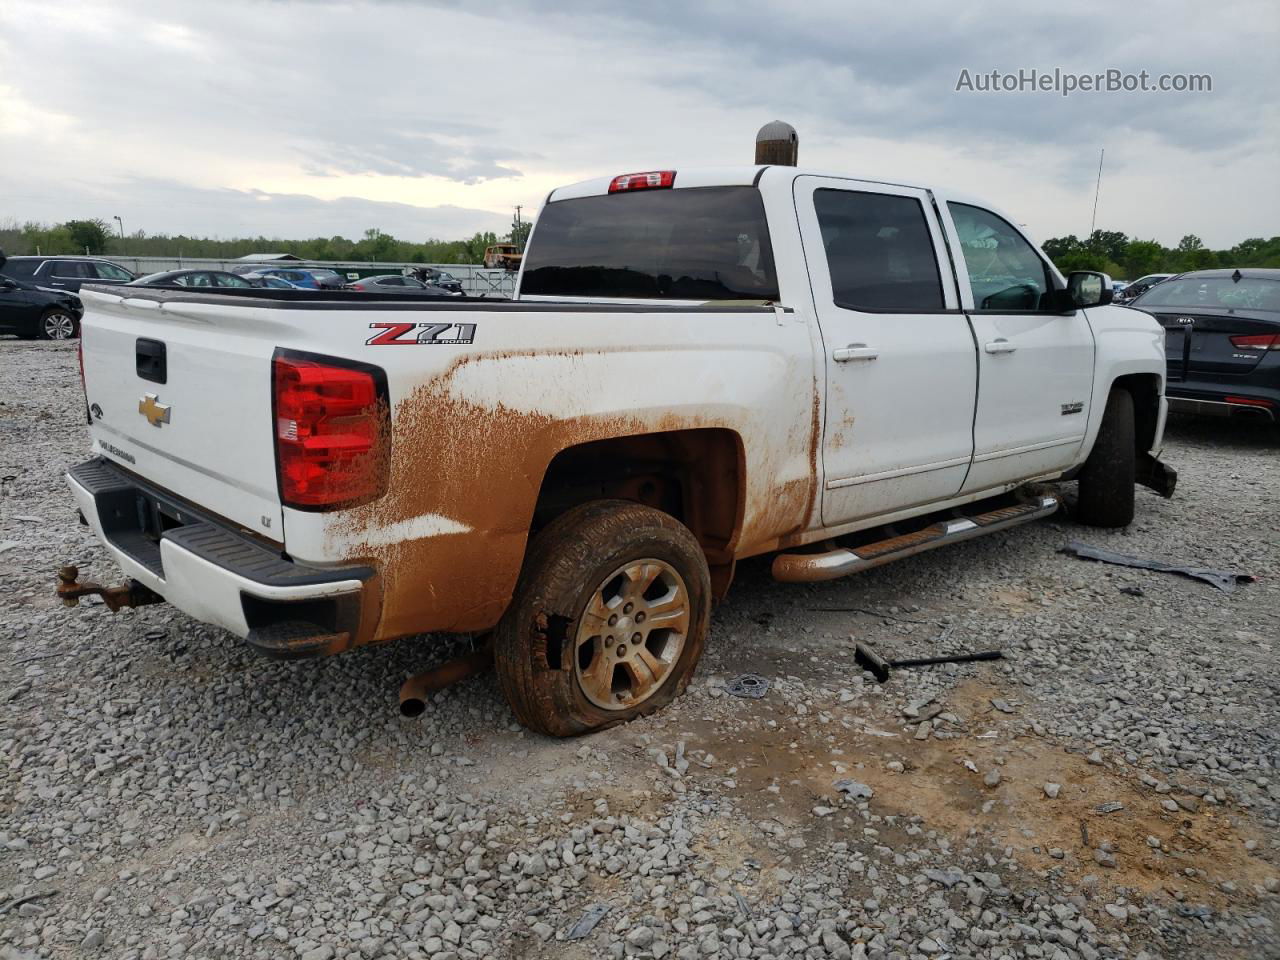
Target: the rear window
(701, 243)
(20, 268)
(1247, 293)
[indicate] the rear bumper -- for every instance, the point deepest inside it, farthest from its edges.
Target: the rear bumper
(1224, 400)
(214, 573)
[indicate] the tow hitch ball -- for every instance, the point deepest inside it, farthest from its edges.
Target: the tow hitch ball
(131, 594)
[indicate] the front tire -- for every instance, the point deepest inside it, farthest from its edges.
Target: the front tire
(608, 621)
(1106, 486)
(57, 324)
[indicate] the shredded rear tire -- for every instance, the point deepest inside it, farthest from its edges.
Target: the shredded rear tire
(1106, 483)
(545, 665)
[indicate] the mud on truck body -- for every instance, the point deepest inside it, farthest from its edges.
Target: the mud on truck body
(699, 366)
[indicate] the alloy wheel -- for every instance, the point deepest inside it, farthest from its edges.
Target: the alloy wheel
(631, 634)
(59, 326)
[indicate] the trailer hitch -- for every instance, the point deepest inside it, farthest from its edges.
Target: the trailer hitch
(131, 594)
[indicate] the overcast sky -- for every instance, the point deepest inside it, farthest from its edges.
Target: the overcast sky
(299, 119)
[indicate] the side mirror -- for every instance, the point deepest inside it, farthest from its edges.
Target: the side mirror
(1088, 288)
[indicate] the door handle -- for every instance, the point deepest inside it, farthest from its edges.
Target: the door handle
(854, 351)
(1000, 345)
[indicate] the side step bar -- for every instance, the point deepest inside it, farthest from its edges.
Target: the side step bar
(807, 567)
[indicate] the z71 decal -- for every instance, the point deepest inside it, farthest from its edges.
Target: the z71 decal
(415, 334)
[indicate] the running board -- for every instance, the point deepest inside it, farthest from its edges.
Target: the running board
(807, 567)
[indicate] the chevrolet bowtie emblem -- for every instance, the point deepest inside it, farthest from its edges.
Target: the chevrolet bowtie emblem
(155, 412)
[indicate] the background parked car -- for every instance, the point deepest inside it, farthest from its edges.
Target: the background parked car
(1222, 340)
(193, 278)
(1141, 286)
(436, 278)
(398, 283)
(299, 278)
(65, 273)
(327, 279)
(272, 283)
(31, 311)
(504, 255)
(308, 279)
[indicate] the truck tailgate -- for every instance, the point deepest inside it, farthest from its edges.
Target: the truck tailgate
(181, 395)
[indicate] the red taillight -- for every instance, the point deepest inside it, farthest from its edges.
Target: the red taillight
(357, 286)
(330, 433)
(1248, 401)
(1257, 341)
(653, 180)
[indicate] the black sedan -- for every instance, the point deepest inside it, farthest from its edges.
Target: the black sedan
(193, 278)
(32, 311)
(398, 283)
(436, 278)
(1222, 340)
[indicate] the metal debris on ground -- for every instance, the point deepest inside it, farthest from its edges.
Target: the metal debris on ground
(750, 685)
(587, 922)
(742, 904)
(1224, 580)
(879, 667)
(28, 898)
(1111, 806)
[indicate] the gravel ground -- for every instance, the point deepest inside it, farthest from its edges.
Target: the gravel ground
(1110, 790)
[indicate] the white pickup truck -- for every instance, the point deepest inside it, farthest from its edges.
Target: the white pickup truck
(700, 366)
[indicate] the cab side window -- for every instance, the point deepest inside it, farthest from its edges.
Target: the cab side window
(879, 252)
(110, 271)
(1005, 272)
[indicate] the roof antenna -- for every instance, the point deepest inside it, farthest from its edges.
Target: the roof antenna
(1097, 190)
(777, 143)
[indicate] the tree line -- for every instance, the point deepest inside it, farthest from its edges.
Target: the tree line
(95, 237)
(1128, 258)
(1111, 251)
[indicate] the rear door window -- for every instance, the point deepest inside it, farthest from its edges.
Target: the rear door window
(20, 269)
(879, 252)
(700, 243)
(76, 269)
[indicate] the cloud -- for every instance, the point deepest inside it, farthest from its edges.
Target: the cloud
(406, 154)
(167, 206)
(451, 106)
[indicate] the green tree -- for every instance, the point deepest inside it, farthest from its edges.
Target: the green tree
(89, 236)
(520, 230)
(1058, 247)
(377, 246)
(1192, 255)
(1110, 243)
(1143, 257)
(475, 247)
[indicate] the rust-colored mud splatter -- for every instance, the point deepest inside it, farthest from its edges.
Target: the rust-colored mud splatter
(482, 467)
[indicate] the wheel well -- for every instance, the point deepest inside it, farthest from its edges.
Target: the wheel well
(694, 475)
(1145, 390)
